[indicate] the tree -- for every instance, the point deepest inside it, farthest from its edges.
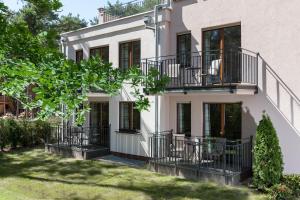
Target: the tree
(94, 21)
(27, 60)
(70, 23)
(268, 164)
(120, 9)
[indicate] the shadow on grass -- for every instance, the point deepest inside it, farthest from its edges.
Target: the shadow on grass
(39, 166)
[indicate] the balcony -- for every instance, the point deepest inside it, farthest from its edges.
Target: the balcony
(215, 69)
(121, 10)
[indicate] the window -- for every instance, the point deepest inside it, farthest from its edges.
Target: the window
(129, 54)
(102, 52)
(79, 56)
(223, 120)
(184, 118)
(129, 117)
(184, 49)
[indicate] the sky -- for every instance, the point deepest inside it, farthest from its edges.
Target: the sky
(85, 8)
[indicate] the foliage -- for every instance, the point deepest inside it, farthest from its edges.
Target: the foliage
(127, 9)
(30, 59)
(280, 192)
(23, 133)
(69, 23)
(94, 21)
(268, 164)
(293, 182)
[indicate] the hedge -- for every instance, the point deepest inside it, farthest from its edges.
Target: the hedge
(23, 133)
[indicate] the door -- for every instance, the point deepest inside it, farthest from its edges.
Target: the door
(221, 57)
(223, 120)
(99, 123)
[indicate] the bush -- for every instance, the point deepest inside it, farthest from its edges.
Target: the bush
(293, 182)
(23, 133)
(268, 164)
(280, 192)
(4, 134)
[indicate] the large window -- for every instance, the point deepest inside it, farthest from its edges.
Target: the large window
(79, 56)
(129, 117)
(223, 120)
(130, 54)
(222, 61)
(184, 49)
(102, 52)
(184, 118)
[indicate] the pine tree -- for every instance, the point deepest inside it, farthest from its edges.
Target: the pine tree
(268, 163)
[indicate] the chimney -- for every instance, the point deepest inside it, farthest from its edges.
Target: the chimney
(101, 19)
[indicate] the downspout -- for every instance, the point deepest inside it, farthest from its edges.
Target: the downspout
(156, 29)
(63, 51)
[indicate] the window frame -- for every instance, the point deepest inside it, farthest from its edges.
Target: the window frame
(131, 61)
(101, 50)
(185, 59)
(133, 128)
(177, 118)
(78, 58)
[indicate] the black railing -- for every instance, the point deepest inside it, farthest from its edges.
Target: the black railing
(217, 155)
(117, 11)
(80, 136)
(206, 68)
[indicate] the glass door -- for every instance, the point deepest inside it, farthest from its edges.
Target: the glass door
(221, 58)
(99, 123)
(223, 120)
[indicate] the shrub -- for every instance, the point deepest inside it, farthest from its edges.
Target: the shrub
(14, 132)
(268, 164)
(4, 134)
(26, 138)
(293, 182)
(280, 192)
(23, 133)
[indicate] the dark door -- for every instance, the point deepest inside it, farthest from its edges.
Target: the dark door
(223, 120)
(99, 123)
(221, 55)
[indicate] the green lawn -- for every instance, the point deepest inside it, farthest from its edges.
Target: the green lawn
(34, 174)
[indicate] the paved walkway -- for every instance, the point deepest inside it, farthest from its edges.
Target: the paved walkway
(122, 161)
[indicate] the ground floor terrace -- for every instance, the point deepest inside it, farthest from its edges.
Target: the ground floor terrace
(209, 133)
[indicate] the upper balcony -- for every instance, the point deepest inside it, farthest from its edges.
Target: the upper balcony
(230, 70)
(121, 10)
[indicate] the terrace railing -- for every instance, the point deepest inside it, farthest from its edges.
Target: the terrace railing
(206, 68)
(117, 11)
(80, 136)
(208, 154)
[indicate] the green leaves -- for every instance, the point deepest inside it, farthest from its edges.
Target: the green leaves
(54, 82)
(268, 164)
(33, 71)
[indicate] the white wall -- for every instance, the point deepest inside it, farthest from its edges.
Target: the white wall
(269, 27)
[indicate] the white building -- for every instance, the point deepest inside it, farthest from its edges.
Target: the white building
(219, 86)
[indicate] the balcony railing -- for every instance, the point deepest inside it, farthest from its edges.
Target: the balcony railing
(79, 136)
(217, 155)
(117, 11)
(215, 68)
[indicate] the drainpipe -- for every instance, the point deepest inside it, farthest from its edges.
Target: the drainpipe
(63, 51)
(156, 33)
(156, 30)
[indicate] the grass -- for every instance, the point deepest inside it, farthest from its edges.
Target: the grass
(34, 174)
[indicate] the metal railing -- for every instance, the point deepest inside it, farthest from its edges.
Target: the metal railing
(80, 136)
(206, 68)
(208, 154)
(117, 11)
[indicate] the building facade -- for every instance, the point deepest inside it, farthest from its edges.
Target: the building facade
(228, 62)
